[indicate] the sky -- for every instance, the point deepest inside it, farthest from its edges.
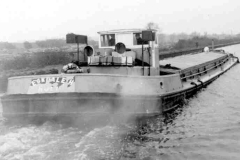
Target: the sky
(30, 20)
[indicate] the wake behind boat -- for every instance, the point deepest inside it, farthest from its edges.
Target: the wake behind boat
(122, 81)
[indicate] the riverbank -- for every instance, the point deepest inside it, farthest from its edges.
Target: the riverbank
(31, 64)
(174, 53)
(51, 69)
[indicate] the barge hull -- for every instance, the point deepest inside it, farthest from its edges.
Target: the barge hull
(87, 107)
(120, 107)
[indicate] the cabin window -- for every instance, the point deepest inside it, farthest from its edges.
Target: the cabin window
(108, 40)
(125, 38)
(137, 39)
(156, 42)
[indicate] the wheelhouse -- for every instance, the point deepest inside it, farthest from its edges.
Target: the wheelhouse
(132, 38)
(134, 48)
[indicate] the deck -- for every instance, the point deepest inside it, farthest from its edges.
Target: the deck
(190, 60)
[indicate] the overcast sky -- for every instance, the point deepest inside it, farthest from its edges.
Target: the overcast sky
(31, 20)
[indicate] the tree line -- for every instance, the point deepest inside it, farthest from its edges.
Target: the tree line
(202, 41)
(166, 41)
(7, 45)
(49, 43)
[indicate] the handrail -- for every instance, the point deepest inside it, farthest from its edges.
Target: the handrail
(205, 70)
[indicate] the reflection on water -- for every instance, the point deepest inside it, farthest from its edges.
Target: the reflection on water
(207, 127)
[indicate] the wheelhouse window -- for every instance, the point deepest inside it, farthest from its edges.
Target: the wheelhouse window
(137, 39)
(156, 38)
(108, 40)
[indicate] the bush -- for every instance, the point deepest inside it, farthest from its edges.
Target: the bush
(19, 62)
(34, 60)
(50, 43)
(49, 58)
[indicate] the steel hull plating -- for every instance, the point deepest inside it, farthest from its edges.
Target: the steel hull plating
(87, 107)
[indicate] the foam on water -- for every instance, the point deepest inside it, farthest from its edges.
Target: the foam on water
(100, 143)
(51, 141)
(37, 142)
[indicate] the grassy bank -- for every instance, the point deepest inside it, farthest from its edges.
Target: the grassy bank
(31, 64)
(33, 60)
(197, 42)
(52, 69)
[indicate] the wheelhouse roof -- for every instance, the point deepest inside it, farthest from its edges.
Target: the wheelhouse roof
(124, 31)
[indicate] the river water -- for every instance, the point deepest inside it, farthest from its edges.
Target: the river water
(207, 127)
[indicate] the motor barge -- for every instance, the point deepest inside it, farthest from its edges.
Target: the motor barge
(124, 79)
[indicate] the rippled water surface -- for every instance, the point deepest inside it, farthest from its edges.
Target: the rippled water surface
(207, 127)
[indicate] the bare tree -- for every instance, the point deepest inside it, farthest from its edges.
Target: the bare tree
(152, 25)
(27, 45)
